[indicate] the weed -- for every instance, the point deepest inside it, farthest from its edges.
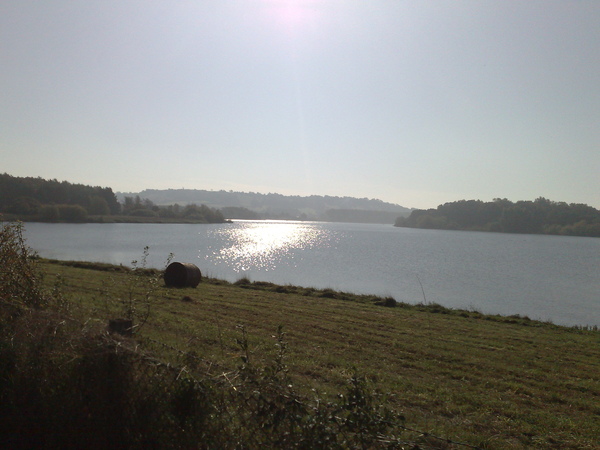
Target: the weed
(387, 302)
(277, 416)
(328, 293)
(140, 286)
(422, 289)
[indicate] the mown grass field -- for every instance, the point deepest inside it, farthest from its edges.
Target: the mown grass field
(486, 381)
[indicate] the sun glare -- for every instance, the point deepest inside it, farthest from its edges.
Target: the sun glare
(261, 246)
(292, 15)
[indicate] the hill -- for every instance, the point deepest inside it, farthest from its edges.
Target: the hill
(277, 206)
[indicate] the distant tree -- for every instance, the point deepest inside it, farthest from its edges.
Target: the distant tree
(359, 216)
(143, 212)
(27, 195)
(518, 219)
(148, 204)
(72, 213)
(111, 200)
(167, 212)
(24, 205)
(502, 215)
(238, 212)
(202, 213)
(49, 213)
(98, 206)
(129, 204)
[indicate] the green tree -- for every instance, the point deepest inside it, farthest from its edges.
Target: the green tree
(98, 206)
(72, 213)
(517, 219)
(49, 213)
(24, 205)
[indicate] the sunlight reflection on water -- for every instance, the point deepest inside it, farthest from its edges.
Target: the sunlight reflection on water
(264, 246)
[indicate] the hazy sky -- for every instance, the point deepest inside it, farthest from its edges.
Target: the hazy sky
(412, 102)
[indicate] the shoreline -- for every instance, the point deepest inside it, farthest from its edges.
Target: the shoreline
(387, 302)
(109, 219)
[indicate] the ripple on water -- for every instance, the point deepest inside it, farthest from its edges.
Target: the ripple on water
(264, 246)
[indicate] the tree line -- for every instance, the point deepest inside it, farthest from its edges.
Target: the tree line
(53, 200)
(541, 216)
(38, 199)
(138, 207)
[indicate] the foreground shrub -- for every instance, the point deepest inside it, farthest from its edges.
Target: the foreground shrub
(19, 278)
(63, 385)
(269, 413)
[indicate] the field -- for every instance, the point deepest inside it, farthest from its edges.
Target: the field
(455, 379)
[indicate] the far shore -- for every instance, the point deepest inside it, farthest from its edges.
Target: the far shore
(108, 219)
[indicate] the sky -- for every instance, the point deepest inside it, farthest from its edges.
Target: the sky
(414, 103)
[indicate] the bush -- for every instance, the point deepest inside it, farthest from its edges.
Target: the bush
(244, 281)
(65, 386)
(143, 213)
(49, 213)
(98, 206)
(388, 302)
(62, 386)
(19, 277)
(63, 213)
(24, 205)
(72, 213)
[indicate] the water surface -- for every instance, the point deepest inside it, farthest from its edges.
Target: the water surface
(553, 278)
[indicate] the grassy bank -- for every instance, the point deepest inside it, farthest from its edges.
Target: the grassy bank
(484, 381)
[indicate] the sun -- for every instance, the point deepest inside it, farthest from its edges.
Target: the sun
(292, 15)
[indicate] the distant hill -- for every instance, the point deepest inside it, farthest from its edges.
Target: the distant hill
(277, 206)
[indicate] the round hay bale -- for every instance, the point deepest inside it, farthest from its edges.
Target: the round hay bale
(182, 275)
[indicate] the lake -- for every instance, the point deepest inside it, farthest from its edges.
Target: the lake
(554, 278)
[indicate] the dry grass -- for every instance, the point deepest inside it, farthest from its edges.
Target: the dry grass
(492, 382)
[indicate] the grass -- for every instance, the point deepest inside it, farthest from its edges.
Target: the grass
(486, 381)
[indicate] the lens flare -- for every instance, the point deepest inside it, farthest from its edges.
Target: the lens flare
(292, 15)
